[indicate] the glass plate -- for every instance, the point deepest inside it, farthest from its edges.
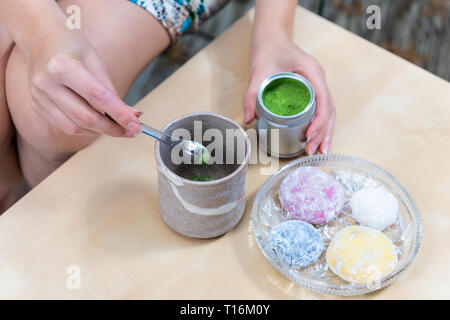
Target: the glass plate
(354, 174)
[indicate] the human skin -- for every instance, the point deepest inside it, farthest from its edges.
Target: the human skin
(273, 51)
(69, 83)
(10, 173)
(53, 122)
(61, 84)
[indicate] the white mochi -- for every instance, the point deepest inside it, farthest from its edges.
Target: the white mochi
(374, 207)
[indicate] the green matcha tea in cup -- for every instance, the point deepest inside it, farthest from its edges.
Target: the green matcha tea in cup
(285, 107)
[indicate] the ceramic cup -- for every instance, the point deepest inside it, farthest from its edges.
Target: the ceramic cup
(211, 208)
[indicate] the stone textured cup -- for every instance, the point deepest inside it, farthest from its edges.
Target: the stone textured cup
(203, 209)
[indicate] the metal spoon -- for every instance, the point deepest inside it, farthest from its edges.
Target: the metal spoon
(191, 147)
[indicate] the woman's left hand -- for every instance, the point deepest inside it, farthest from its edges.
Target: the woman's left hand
(284, 56)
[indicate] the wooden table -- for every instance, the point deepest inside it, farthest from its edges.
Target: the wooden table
(99, 210)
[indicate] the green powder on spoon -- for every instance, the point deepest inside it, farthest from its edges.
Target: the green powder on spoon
(286, 97)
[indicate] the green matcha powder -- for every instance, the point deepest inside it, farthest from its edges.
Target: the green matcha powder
(200, 178)
(286, 97)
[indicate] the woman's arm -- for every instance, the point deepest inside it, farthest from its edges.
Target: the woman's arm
(273, 51)
(274, 20)
(29, 22)
(69, 84)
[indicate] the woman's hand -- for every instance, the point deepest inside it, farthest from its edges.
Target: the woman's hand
(271, 57)
(69, 84)
(71, 89)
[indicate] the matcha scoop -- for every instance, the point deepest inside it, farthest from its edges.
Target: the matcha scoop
(190, 147)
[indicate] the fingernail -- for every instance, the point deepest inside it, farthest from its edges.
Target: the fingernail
(135, 109)
(325, 146)
(326, 149)
(311, 151)
(129, 134)
(137, 112)
(312, 136)
(133, 127)
(247, 115)
(308, 150)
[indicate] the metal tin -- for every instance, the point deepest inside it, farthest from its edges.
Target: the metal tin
(286, 135)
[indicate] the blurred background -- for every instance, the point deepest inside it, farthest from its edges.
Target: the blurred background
(417, 30)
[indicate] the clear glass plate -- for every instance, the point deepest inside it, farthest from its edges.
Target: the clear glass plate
(354, 174)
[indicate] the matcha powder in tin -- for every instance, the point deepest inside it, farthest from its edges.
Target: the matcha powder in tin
(286, 97)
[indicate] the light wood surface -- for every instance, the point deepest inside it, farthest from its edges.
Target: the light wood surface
(99, 210)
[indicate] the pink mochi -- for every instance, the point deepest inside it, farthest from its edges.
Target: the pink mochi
(311, 195)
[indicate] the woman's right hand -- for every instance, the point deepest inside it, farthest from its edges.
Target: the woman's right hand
(71, 89)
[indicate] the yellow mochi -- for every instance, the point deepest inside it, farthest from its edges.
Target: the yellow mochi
(361, 255)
